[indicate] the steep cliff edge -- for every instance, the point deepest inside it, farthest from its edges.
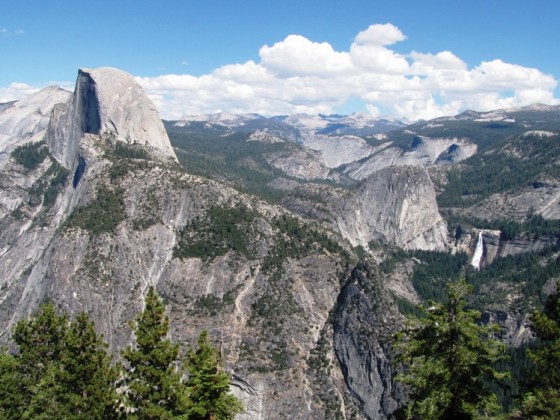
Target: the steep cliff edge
(393, 206)
(26, 120)
(396, 205)
(108, 116)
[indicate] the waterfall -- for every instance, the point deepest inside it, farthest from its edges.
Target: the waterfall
(477, 257)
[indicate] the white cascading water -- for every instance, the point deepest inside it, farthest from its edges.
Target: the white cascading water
(477, 257)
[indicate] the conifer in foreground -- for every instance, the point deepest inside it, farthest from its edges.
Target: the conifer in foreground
(153, 369)
(543, 401)
(448, 360)
(61, 370)
(208, 385)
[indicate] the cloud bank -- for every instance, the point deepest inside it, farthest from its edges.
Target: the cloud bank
(299, 75)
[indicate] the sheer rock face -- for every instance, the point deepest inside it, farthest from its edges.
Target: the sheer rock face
(396, 205)
(109, 103)
(364, 320)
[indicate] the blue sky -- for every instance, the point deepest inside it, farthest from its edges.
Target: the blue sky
(413, 59)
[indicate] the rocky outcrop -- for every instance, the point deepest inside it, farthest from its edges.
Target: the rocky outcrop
(424, 151)
(364, 321)
(338, 150)
(540, 197)
(27, 120)
(107, 102)
(396, 205)
(300, 164)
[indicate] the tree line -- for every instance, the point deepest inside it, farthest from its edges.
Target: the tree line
(62, 369)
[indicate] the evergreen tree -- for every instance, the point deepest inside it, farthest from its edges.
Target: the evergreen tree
(208, 385)
(11, 397)
(544, 399)
(448, 360)
(81, 385)
(153, 374)
(61, 370)
(40, 342)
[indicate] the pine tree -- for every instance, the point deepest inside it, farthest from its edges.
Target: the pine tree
(61, 370)
(40, 342)
(153, 375)
(208, 385)
(86, 374)
(448, 358)
(544, 399)
(11, 396)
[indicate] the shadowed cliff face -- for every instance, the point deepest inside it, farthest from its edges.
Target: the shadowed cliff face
(89, 104)
(364, 321)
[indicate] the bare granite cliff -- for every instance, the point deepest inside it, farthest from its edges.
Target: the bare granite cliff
(393, 206)
(110, 103)
(364, 322)
(397, 206)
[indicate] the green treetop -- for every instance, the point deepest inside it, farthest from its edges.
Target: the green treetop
(153, 373)
(61, 370)
(447, 359)
(208, 385)
(543, 402)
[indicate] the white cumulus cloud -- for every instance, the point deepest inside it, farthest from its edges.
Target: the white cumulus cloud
(297, 74)
(380, 35)
(302, 75)
(15, 91)
(298, 56)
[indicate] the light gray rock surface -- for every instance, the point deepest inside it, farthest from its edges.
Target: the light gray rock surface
(424, 152)
(107, 102)
(397, 206)
(26, 120)
(541, 197)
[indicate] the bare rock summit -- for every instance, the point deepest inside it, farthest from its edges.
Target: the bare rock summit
(107, 102)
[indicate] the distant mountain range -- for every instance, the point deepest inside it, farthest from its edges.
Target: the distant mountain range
(481, 128)
(338, 147)
(292, 127)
